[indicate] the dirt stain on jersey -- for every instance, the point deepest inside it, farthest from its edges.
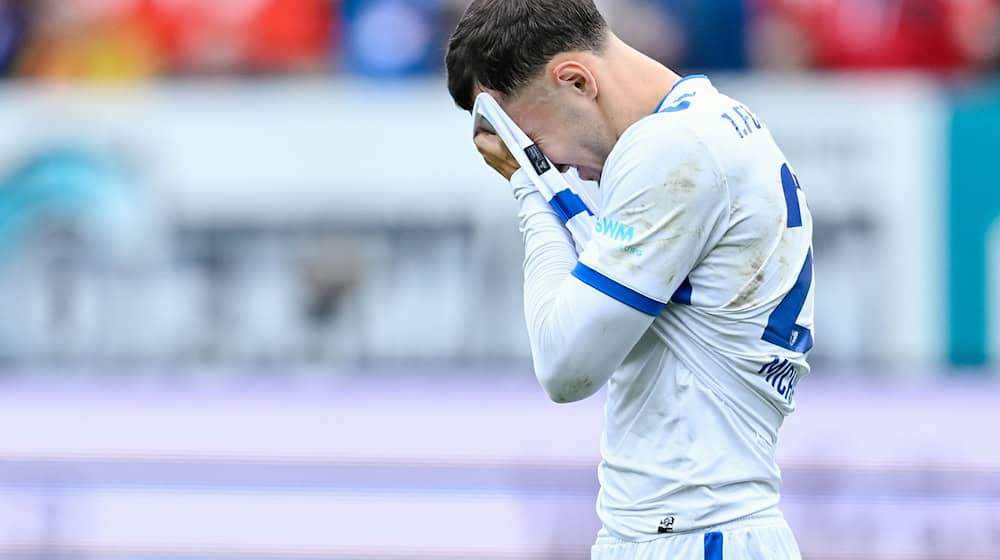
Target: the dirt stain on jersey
(754, 269)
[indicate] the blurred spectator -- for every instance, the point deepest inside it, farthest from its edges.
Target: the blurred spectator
(130, 39)
(648, 28)
(244, 35)
(979, 34)
(861, 34)
(687, 35)
(394, 38)
(14, 21)
(714, 33)
(91, 40)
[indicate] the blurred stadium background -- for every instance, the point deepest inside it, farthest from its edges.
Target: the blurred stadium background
(261, 299)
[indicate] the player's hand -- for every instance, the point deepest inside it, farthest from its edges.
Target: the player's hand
(496, 154)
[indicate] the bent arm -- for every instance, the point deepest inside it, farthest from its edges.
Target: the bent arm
(579, 336)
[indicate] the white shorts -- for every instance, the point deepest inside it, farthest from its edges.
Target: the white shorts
(752, 538)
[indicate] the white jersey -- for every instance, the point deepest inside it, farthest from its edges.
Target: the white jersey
(701, 224)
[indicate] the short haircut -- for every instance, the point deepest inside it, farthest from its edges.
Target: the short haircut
(503, 44)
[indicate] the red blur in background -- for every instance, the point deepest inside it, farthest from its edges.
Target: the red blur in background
(130, 39)
(869, 34)
(122, 40)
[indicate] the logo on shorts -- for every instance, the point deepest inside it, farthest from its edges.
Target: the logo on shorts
(537, 159)
(667, 525)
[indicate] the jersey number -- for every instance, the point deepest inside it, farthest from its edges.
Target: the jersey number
(781, 328)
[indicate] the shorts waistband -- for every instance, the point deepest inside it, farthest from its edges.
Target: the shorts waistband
(770, 517)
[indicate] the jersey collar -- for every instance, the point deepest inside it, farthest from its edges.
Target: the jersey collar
(677, 89)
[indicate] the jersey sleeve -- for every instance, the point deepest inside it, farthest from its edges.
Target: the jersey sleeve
(665, 203)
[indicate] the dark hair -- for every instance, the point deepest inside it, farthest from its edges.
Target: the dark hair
(503, 44)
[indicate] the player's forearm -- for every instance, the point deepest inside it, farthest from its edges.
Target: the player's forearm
(549, 256)
(578, 336)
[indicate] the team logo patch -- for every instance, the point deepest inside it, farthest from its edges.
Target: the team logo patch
(537, 159)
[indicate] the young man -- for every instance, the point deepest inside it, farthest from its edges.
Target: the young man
(693, 300)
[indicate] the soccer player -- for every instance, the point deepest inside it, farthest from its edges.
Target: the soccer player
(693, 300)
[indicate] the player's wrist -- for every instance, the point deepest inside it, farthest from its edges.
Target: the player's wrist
(520, 178)
(521, 184)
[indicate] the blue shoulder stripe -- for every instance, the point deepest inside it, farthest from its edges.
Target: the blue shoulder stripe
(624, 294)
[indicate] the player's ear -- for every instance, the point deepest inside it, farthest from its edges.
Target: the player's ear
(572, 74)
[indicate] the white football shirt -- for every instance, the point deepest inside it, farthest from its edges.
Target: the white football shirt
(701, 224)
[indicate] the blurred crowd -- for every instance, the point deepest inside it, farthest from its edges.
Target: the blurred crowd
(113, 40)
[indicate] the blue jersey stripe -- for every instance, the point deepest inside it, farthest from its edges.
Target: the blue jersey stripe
(568, 204)
(781, 328)
(624, 294)
(683, 293)
(791, 186)
(713, 546)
